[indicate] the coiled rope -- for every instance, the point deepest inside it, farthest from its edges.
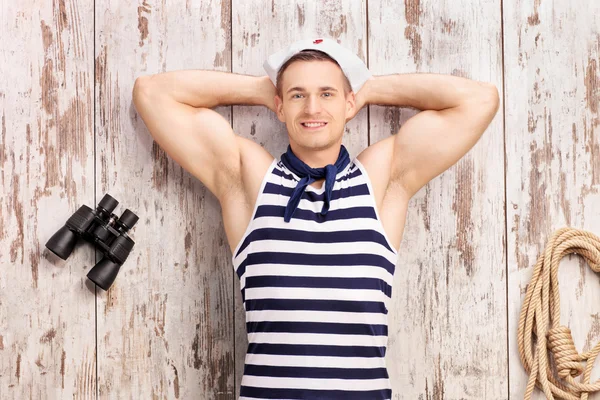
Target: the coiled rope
(541, 310)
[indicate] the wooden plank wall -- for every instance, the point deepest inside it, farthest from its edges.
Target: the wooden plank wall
(47, 309)
(166, 329)
(172, 326)
(552, 136)
(448, 333)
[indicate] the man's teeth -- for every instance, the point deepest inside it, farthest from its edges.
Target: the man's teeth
(312, 125)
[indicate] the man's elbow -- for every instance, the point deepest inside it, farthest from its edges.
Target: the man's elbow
(482, 95)
(141, 87)
(486, 100)
(491, 96)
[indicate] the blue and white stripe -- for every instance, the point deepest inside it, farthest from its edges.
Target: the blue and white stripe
(316, 291)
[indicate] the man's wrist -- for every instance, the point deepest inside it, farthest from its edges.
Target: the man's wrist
(378, 90)
(261, 89)
(265, 92)
(365, 93)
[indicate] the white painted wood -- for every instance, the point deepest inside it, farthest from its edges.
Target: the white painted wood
(173, 325)
(47, 338)
(552, 52)
(165, 328)
(447, 325)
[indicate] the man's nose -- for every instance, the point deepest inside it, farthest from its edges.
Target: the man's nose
(313, 105)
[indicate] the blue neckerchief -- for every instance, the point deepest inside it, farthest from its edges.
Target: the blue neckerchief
(309, 175)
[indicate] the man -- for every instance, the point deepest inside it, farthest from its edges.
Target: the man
(314, 235)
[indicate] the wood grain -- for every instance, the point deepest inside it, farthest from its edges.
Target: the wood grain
(47, 316)
(165, 328)
(448, 327)
(173, 324)
(553, 157)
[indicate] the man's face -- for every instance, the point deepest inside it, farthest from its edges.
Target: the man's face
(314, 91)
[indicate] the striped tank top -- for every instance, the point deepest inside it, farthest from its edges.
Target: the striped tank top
(316, 291)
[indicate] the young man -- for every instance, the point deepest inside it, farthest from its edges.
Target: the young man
(314, 235)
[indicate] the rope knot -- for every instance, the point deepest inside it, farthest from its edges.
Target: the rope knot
(560, 343)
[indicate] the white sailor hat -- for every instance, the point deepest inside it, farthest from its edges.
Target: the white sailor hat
(353, 67)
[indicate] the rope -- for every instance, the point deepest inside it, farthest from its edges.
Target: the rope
(541, 310)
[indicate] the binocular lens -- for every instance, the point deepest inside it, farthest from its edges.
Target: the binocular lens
(62, 242)
(104, 273)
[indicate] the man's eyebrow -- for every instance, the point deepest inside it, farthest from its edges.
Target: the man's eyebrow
(301, 89)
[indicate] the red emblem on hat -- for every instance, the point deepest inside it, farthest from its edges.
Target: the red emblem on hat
(318, 41)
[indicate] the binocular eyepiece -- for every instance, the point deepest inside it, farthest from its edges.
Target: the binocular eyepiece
(103, 229)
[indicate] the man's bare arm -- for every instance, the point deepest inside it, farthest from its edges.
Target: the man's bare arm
(209, 89)
(175, 106)
(456, 113)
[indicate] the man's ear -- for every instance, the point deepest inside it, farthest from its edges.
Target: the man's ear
(279, 108)
(351, 104)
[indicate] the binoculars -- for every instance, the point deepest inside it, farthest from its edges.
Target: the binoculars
(103, 229)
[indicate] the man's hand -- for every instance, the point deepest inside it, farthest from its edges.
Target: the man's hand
(268, 92)
(360, 99)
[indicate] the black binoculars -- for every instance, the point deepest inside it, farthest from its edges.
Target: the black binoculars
(103, 229)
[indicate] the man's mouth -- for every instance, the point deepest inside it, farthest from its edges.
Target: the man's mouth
(313, 126)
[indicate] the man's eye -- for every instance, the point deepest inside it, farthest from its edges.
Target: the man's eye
(294, 96)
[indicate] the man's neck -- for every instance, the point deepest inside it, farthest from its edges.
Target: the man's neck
(317, 158)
